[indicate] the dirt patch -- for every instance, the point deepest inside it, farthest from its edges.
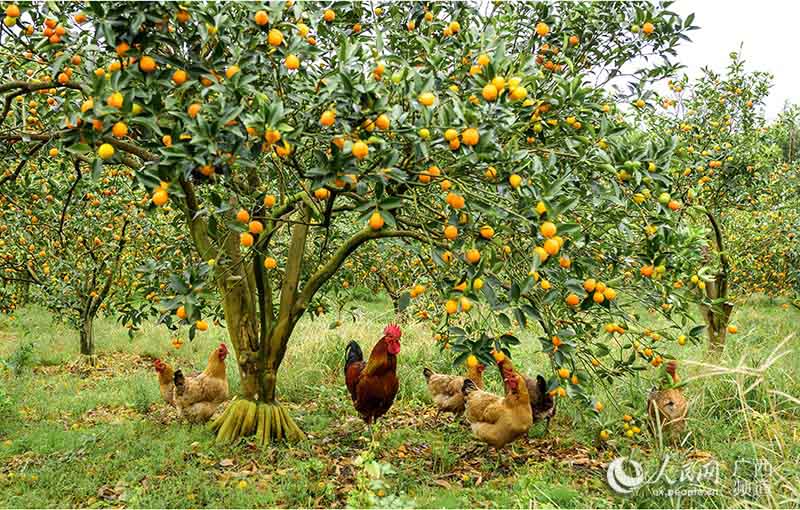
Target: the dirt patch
(101, 366)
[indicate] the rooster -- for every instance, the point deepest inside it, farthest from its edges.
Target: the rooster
(445, 389)
(373, 384)
(666, 406)
(543, 405)
(197, 397)
(165, 383)
(497, 420)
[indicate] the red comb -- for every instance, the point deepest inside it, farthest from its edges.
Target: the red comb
(393, 331)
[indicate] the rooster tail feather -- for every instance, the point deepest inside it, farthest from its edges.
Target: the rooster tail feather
(352, 354)
(427, 372)
(179, 381)
(542, 384)
(468, 387)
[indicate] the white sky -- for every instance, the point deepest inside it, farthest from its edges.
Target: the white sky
(769, 31)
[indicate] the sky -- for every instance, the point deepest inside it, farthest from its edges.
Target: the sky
(767, 28)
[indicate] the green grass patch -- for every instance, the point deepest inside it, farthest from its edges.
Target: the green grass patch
(73, 435)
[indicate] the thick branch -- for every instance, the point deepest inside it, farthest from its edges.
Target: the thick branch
(294, 266)
(325, 272)
(198, 225)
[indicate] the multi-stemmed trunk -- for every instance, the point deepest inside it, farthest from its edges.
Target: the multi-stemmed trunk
(717, 313)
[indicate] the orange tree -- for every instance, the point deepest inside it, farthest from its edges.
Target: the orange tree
(65, 233)
(727, 159)
(289, 135)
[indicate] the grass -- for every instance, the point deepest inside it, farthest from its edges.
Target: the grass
(75, 436)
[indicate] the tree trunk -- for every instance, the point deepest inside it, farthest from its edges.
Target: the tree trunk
(717, 316)
(87, 336)
(718, 312)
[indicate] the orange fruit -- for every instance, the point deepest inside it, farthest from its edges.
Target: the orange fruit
(179, 77)
(270, 263)
(456, 201)
(647, 271)
(598, 297)
(489, 92)
(12, 11)
(450, 232)
(574, 40)
(548, 229)
(147, 64)
(551, 246)
(327, 118)
(515, 180)
(255, 227)
(499, 356)
(451, 306)
(160, 197)
(376, 221)
(194, 109)
(106, 151)
(181, 312)
(542, 29)
(321, 193)
(426, 99)
(269, 201)
(182, 16)
(648, 28)
(473, 256)
(119, 130)
(518, 93)
(383, 122)
(232, 71)
(329, 15)
(470, 136)
(115, 100)
(732, 329)
(360, 150)
(121, 48)
(261, 18)
(563, 372)
(599, 407)
(565, 262)
(242, 216)
(292, 62)
(610, 294)
(275, 37)
(201, 325)
(572, 300)
(487, 232)
(246, 239)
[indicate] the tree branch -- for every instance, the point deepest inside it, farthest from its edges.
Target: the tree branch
(325, 272)
(22, 163)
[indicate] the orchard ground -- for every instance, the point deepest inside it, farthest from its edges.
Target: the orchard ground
(77, 436)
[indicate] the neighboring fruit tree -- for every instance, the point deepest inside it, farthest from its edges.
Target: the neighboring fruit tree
(287, 136)
(64, 232)
(728, 163)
